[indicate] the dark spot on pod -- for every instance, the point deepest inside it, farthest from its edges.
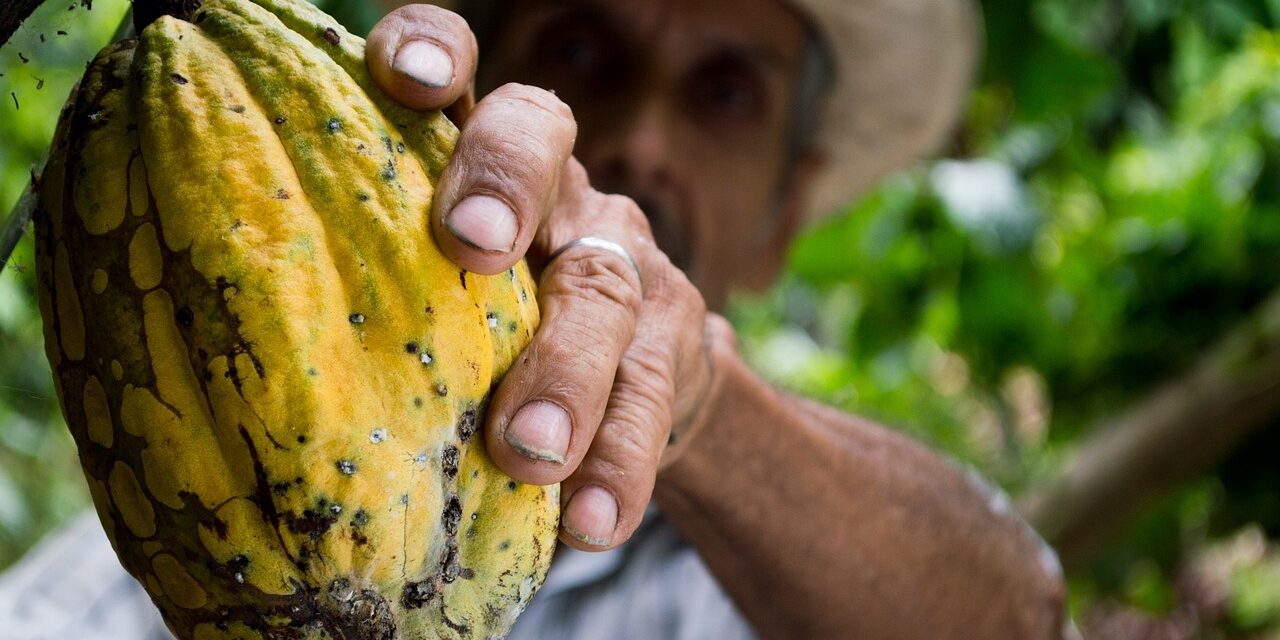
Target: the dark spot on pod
(361, 518)
(185, 316)
(430, 310)
(504, 545)
(417, 594)
(281, 194)
(236, 566)
(511, 485)
(452, 514)
(475, 515)
(442, 390)
(312, 372)
(475, 474)
(281, 119)
(462, 277)
(400, 147)
(386, 141)
(302, 439)
(313, 523)
(466, 574)
(411, 347)
(346, 467)
(467, 424)
(356, 318)
(280, 488)
(449, 461)
(335, 125)
(331, 36)
(450, 568)
(389, 172)
(511, 327)
(362, 197)
(237, 108)
(417, 403)
(178, 78)
(61, 32)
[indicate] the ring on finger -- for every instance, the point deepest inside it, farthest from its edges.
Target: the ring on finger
(595, 242)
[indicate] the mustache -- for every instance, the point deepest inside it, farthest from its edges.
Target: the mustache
(672, 238)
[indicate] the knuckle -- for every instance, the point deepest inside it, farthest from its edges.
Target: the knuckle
(544, 106)
(626, 210)
(645, 374)
(595, 276)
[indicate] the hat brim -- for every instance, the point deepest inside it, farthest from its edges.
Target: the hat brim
(903, 71)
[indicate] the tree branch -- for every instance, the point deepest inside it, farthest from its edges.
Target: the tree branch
(1184, 428)
(12, 13)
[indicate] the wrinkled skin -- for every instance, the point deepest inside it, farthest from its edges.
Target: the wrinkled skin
(631, 388)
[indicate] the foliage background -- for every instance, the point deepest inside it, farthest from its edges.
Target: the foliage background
(1110, 207)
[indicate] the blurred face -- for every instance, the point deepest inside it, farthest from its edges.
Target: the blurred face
(684, 105)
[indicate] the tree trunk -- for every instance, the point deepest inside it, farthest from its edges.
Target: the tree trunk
(1184, 428)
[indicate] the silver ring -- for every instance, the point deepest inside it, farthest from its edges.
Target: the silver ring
(600, 243)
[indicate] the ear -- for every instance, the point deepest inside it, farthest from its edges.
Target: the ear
(793, 201)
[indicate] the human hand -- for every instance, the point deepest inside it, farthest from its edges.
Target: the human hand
(621, 365)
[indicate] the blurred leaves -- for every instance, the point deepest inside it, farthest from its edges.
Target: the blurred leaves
(1111, 207)
(40, 481)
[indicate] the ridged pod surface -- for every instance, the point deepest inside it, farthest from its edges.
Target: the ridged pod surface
(274, 377)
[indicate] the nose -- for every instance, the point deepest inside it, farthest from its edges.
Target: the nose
(633, 152)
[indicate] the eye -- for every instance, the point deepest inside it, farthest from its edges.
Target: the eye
(574, 48)
(728, 88)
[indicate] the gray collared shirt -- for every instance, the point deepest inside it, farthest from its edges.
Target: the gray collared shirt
(654, 587)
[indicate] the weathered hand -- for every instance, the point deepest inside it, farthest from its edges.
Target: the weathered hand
(621, 364)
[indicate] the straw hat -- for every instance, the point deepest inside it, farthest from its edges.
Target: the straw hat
(902, 71)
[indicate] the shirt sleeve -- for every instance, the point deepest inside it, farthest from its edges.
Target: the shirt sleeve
(654, 587)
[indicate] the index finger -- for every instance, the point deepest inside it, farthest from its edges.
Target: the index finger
(422, 56)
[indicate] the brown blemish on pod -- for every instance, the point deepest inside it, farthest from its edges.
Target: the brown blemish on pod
(467, 424)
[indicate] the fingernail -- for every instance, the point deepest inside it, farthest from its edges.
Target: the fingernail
(540, 431)
(424, 62)
(591, 516)
(483, 222)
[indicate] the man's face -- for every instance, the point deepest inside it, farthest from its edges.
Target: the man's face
(684, 105)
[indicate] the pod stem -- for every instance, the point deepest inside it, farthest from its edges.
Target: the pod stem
(147, 11)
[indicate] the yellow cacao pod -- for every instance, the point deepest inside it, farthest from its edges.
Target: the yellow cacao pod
(274, 377)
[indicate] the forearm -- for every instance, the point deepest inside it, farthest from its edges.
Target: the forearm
(822, 525)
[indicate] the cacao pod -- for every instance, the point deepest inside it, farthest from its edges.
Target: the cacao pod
(273, 376)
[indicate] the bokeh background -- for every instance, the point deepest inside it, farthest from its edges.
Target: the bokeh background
(1080, 299)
